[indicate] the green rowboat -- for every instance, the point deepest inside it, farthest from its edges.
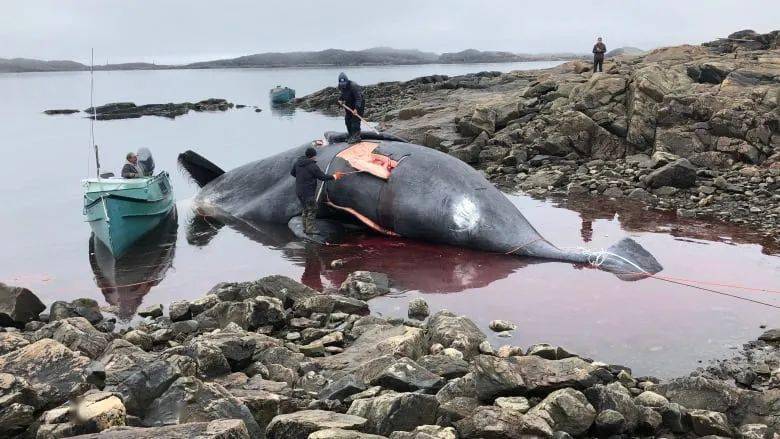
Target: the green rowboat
(120, 211)
(281, 95)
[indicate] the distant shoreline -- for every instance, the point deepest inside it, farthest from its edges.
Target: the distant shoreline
(329, 58)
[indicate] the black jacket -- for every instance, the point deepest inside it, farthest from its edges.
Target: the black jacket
(598, 50)
(130, 171)
(306, 173)
(352, 95)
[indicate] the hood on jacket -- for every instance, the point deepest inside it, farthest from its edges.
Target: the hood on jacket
(343, 80)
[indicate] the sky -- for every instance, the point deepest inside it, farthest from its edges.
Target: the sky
(178, 31)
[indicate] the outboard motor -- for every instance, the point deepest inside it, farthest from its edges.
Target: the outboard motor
(145, 161)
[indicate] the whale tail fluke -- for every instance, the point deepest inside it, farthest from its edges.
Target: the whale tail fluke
(628, 260)
(199, 168)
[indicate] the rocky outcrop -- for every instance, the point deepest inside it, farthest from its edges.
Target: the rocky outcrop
(129, 110)
(18, 306)
(715, 106)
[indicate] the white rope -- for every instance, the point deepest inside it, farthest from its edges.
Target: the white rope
(597, 258)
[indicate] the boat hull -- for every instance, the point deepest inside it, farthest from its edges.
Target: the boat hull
(282, 95)
(119, 216)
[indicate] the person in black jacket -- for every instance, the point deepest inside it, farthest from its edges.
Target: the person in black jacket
(352, 97)
(599, 49)
(306, 173)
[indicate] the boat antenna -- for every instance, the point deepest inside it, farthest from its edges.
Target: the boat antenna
(92, 106)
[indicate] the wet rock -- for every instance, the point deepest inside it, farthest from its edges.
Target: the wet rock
(614, 396)
(454, 331)
(566, 410)
(706, 422)
(365, 285)
(300, 425)
(219, 429)
(418, 309)
(18, 306)
(405, 375)
(515, 376)
(502, 325)
(444, 366)
(609, 423)
(283, 288)
(391, 412)
(87, 308)
(496, 422)
(680, 174)
(55, 373)
(191, 400)
(77, 334)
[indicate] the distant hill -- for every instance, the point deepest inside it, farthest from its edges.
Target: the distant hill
(627, 50)
(329, 57)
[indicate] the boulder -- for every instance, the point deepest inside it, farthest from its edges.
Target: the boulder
(651, 399)
(327, 304)
(18, 403)
(549, 352)
(496, 422)
(700, 393)
(249, 314)
(87, 308)
(342, 388)
(340, 433)
(566, 410)
(219, 429)
(391, 412)
(405, 375)
(300, 425)
(515, 376)
(680, 174)
(77, 334)
(454, 331)
(444, 365)
(365, 285)
(516, 403)
(615, 397)
(152, 311)
(609, 423)
(502, 325)
(102, 410)
(18, 306)
(753, 431)
(55, 372)
(11, 341)
(418, 309)
(707, 422)
(770, 336)
(377, 345)
(191, 400)
(179, 310)
(139, 338)
(283, 288)
(426, 432)
(545, 179)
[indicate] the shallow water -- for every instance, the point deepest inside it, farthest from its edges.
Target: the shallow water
(654, 326)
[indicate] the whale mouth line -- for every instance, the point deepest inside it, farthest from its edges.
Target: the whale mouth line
(364, 219)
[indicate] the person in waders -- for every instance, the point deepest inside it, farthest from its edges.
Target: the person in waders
(351, 98)
(306, 173)
(599, 49)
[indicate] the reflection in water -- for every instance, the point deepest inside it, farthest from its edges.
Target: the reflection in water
(283, 110)
(634, 217)
(411, 264)
(125, 281)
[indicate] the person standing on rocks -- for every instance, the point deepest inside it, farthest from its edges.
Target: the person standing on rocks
(351, 98)
(599, 49)
(306, 173)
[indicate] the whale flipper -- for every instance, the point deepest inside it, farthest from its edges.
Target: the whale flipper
(199, 168)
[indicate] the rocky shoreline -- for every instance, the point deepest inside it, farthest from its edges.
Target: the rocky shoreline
(690, 129)
(274, 358)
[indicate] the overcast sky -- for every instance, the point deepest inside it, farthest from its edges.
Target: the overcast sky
(171, 31)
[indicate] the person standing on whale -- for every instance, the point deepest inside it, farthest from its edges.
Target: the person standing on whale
(351, 97)
(306, 173)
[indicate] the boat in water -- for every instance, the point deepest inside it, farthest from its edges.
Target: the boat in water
(126, 280)
(281, 95)
(122, 210)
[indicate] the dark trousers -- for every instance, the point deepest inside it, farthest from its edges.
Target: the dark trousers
(309, 215)
(352, 122)
(598, 62)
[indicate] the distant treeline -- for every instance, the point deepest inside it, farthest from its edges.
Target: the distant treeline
(330, 57)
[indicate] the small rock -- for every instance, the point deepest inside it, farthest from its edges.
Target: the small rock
(152, 311)
(609, 423)
(418, 309)
(502, 325)
(707, 422)
(516, 403)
